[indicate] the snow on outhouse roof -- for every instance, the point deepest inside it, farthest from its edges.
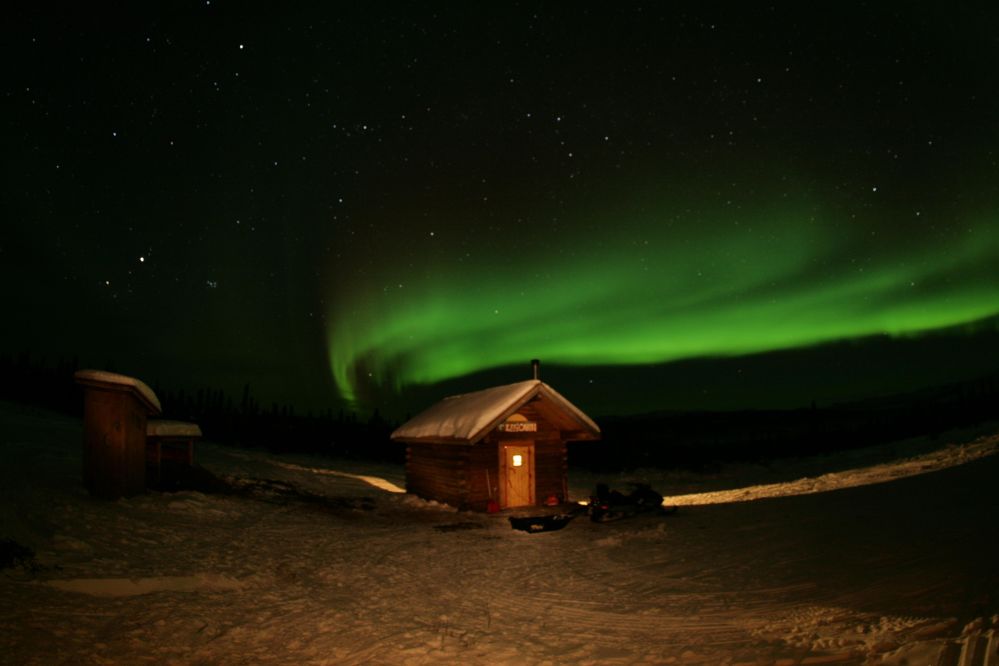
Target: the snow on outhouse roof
(467, 418)
(105, 379)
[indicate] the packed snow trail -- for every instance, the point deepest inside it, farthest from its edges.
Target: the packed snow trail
(949, 456)
(373, 481)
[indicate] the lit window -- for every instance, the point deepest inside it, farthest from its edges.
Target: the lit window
(518, 460)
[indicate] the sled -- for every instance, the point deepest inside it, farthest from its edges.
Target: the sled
(534, 524)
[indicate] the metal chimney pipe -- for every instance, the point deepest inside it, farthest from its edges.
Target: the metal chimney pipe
(536, 367)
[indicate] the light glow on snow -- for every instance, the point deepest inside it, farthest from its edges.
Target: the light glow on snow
(375, 481)
(930, 462)
(129, 587)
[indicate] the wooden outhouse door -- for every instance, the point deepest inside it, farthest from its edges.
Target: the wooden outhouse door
(516, 474)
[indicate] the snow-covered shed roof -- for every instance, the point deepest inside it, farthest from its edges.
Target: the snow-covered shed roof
(467, 418)
(112, 380)
(166, 428)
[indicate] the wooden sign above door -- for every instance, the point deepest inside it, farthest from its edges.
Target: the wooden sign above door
(518, 426)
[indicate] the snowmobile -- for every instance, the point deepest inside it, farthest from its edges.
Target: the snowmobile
(607, 505)
(604, 506)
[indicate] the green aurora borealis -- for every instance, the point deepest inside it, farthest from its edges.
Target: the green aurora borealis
(655, 290)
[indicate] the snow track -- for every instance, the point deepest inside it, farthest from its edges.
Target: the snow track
(950, 456)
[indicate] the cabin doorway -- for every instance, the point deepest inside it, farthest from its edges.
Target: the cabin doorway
(516, 474)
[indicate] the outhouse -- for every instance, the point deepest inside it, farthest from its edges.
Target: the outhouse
(503, 446)
(115, 410)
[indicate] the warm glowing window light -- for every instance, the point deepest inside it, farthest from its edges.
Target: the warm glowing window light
(518, 460)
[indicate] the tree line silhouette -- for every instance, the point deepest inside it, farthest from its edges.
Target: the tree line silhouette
(700, 440)
(704, 440)
(241, 421)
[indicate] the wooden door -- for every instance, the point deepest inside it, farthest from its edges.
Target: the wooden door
(516, 474)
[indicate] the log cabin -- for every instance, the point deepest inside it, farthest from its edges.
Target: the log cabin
(502, 447)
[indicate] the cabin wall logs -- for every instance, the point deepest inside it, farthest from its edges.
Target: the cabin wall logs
(467, 476)
(438, 472)
(550, 470)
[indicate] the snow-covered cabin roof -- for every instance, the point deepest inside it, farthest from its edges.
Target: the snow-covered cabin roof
(467, 418)
(105, 379)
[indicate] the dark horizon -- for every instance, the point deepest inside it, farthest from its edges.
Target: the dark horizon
(828, 375)
(695, 440)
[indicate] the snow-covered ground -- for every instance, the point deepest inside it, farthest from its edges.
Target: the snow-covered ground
(889, 558)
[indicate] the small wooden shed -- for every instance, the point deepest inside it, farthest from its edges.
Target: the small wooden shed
(170, 442)
(504, 445)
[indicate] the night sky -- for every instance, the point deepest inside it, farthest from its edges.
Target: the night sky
(672, 206)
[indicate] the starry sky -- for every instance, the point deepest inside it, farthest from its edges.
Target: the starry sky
(672, 205)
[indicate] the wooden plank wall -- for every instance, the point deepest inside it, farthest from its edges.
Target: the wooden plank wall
(114, 443)
(438, 472)
(550, 469)
(483, 464)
